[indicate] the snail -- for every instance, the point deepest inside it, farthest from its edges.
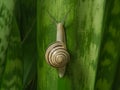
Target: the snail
(56, 54)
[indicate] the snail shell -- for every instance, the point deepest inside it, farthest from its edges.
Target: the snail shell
(56, 55)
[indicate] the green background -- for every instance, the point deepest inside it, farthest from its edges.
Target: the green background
(92, 29)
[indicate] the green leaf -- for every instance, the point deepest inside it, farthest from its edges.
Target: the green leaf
(83, 27)
(26, 18)
(13, 74)
(6, 13)
(110, 48)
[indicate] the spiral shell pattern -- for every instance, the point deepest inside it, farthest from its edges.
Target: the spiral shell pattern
(56, 55)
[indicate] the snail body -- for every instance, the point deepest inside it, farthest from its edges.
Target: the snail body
(56, 54)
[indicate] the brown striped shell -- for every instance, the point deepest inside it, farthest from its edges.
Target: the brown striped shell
(56, 55)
